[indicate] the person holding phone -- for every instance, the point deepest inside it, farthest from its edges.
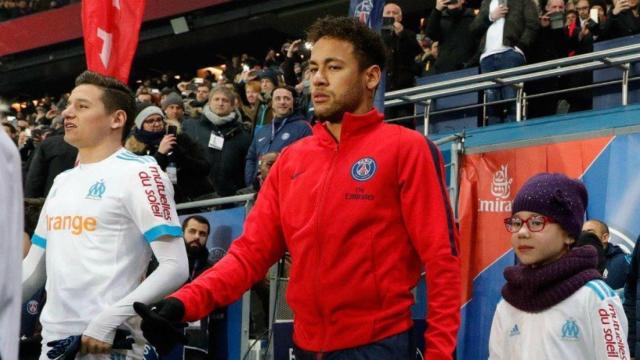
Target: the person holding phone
(171, 148)
(449, 25)
(401, 67)
(624, 19)
(507, 32)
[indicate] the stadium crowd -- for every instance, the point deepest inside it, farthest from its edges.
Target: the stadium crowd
(11, 9)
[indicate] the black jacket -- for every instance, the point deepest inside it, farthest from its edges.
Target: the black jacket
(520, 28)
(623, 24)
(49, 159)
(401, 65)
(226, 165)
(192, 167)
(456, 46)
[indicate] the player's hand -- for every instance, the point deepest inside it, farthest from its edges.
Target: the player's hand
(161, 323)
(65, 348)
(89, 345)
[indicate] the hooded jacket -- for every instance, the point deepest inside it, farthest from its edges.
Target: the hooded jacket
(274, 137)
(361, 219)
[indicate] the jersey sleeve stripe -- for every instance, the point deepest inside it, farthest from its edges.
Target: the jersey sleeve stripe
(607, 288)
(39, 241)
(127, 159)
(591, 285)
(162, 230)
(433, 149)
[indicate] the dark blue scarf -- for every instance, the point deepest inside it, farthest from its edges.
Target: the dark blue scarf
(148, 137)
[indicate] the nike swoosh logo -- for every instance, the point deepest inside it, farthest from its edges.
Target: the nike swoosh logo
(294, 176)
(261, 139)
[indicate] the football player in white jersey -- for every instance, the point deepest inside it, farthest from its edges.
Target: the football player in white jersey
(98, 228)
(11, 229)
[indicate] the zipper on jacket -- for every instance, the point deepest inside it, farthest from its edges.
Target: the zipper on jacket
(318, 237)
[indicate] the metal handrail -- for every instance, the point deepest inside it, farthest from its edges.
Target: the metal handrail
(606, 58)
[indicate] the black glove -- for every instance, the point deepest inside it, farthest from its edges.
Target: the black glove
(161, 323)
(68, 348)
(63, 349)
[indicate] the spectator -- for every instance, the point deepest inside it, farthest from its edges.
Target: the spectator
(624, 19)
(144, 96)
(268, 82)
(286, 128)
(554, 41)
(449, 25)
(173, 107)
(249, 109)
(507, 34)
(617, 262)
(220, 130)
(554, 302)
(202, 97)
(51, 158)
(401, 73)
(176, 153)
(632, 301)
(589, 29)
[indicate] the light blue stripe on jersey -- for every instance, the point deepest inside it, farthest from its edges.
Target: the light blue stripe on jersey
(601, 289)
(131, 156)
(162, 230)
(39, 241)
(130, 159)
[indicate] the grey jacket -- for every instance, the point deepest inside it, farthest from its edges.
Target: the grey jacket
(520, 27)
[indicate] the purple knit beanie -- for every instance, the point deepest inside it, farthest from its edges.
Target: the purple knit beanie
(556, 196)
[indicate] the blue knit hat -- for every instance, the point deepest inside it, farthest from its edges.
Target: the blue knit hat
(556, 196)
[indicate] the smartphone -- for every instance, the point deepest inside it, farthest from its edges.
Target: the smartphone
(453, 2)
(172, 130)
(593, 14)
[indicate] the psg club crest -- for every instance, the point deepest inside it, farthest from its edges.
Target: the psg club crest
(363, 11)
(32, 307)
(364, 169)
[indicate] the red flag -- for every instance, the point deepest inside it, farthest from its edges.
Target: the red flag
(111, 29)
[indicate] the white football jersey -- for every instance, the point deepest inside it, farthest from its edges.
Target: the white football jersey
(96, 226)
(11, 231)
(589, 324)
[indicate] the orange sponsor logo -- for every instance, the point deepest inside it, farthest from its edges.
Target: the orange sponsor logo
(74, 223)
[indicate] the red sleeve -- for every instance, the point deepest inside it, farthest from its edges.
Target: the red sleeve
(248, 260)
(428, 217)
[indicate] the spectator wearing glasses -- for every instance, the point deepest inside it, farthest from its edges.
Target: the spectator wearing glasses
(171, 149)
(554, 304)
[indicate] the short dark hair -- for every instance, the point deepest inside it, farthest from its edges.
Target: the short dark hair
(368, 47)
(115, 96)
(197, 218)
(289, 89)
(603, 225)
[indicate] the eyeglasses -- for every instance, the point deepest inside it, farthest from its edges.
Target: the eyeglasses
(535, 223)
(154, 121)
